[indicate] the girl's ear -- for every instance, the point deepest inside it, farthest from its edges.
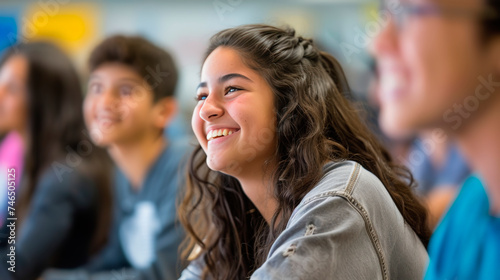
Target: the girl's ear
(165, 110)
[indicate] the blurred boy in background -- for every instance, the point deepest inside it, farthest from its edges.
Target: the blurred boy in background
(129, 102)
(439, 65)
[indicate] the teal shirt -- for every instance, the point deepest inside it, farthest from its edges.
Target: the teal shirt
(466, 245)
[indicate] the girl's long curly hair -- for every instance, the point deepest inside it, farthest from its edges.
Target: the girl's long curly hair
(315, 123)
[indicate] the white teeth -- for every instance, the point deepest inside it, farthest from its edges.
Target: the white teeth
(218, 133)
(390, 84)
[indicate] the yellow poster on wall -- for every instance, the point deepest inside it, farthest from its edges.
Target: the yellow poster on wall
(72, 26)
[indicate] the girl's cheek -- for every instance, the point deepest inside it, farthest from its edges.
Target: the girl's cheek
(197, 125)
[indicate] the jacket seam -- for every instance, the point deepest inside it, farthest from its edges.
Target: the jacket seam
(353, 179)
(368, 225)
(371, 232)
(347, 195)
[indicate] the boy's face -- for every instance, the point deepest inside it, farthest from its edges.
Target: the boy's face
(430, 65)
(119, 107)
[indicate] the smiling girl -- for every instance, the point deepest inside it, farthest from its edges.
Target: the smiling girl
(287, 182)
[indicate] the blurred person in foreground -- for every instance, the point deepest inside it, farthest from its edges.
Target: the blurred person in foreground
(437, 165)
(439, 65)
(61, 204)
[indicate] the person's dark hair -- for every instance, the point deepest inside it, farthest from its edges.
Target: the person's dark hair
(491, 21)
(56, 128)
(152, 63)
(315, 124)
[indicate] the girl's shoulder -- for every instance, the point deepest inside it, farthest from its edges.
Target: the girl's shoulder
(347, 179)
(351, 222)
(346, 185)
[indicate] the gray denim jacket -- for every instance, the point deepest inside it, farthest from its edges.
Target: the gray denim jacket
(346, 227)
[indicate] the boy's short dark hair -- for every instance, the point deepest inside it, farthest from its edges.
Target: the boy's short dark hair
(151, 62)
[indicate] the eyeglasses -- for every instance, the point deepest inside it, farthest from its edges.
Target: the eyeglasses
(404, 12)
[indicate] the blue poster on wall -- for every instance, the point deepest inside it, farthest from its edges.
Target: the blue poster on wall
(8, 30)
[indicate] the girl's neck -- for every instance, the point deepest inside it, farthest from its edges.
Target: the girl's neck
(259, 189)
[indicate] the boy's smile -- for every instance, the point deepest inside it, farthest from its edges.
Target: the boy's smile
(118, 107)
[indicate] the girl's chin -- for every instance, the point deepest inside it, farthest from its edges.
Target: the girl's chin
(231, 168)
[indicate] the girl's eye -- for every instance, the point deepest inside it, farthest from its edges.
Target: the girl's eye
(232, 90)
(200, 97)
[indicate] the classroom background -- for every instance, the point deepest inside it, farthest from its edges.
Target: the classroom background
(344, 28)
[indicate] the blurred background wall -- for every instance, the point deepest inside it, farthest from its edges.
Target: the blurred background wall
(342, 27)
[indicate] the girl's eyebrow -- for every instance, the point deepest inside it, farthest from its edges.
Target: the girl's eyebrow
(226, 78)
(202, 84)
